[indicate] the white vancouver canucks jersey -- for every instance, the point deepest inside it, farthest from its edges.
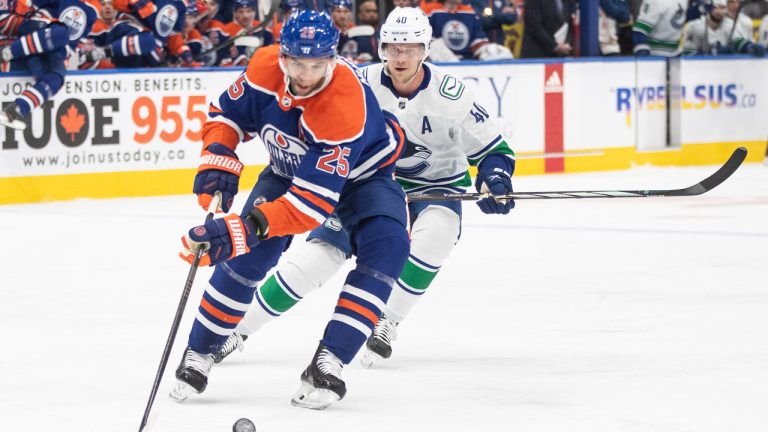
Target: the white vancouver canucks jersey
(446, 129)
(701, 37)
(662, 22)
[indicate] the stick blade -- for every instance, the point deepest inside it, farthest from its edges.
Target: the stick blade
(729, 167)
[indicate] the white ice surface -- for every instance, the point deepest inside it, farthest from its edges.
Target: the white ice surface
(632, 315)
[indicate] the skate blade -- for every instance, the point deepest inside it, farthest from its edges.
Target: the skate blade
(313, 398)
(369, 358)
(181, 392)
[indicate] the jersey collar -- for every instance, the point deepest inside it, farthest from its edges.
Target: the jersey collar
(387, 81)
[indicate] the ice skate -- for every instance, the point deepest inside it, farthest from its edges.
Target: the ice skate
(234, 341)
(321, 383)
(379, 345)
(192, 375)
(12, 118)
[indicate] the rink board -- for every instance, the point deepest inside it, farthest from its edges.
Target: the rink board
(115, 133)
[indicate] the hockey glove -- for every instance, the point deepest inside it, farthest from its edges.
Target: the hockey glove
(222, 239)
(493, 177)
(219, 171)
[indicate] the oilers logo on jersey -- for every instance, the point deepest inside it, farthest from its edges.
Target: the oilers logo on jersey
(284, 150)
(166, 19)
(456, 35)
(74, 18)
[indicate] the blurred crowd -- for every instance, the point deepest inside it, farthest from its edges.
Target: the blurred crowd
(45, 38)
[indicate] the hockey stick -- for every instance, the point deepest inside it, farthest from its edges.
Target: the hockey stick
(735, 22)
(709, 183)
(177, 319)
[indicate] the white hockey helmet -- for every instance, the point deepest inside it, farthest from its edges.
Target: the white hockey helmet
(405, 25)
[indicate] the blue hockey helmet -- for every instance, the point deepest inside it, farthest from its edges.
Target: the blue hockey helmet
(239, 4)
(344, 4)
(309, 33)
(289, 5)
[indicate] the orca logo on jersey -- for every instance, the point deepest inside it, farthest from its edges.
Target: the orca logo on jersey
(285, 151)
(166, 20)
(414, 160)
(75, 19)
(456, 35)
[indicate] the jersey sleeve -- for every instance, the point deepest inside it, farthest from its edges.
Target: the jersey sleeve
(479, 134)
(315, 191)
(231, 115)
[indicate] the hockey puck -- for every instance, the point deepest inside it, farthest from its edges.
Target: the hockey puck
(244, 425)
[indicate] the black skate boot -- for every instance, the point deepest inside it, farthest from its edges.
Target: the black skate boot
(192, 374)
(234, 341)
(321, 383)
(379, 345)
(12, 118)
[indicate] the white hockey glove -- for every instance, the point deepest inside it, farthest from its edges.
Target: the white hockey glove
(439, 52)
(493, 51)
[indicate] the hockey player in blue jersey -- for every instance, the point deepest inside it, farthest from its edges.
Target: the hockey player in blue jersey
(447, 131)
(40, 50)
(287, 96)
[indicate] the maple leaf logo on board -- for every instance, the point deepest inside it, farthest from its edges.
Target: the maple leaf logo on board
(72, 122)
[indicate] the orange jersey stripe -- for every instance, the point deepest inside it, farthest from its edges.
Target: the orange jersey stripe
(211, 309)
(347, 304)
(218, 132)
(400, 137)
(309, 196)
(285, 219)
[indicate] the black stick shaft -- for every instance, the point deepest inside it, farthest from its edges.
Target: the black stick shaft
(177, 320)
(709, 183)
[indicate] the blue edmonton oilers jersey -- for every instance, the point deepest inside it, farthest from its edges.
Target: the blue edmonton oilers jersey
(461, 30)
(324, 142)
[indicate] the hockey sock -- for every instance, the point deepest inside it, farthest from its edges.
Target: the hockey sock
(413, 282)
(139, 44)
(48, 39)
(309, 267)
(357, 311)
(433, 236)
(382, 248)
(223, 305)
(44, 89)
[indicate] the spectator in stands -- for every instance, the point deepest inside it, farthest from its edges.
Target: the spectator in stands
(360, 44)
(493, 14)
(368, 13)
(548, 30)
(341, 13)
(185, 48)
(244, 23)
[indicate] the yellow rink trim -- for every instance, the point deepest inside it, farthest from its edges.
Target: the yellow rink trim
(15, 190)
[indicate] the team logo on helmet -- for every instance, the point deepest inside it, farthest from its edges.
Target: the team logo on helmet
(200, 231)
(285, 151)
(74, 18)
(456, 35)
(166, 19)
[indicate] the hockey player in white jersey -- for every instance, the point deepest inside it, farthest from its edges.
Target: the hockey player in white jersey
(447, 130)
(658, 27)
(712, 34)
